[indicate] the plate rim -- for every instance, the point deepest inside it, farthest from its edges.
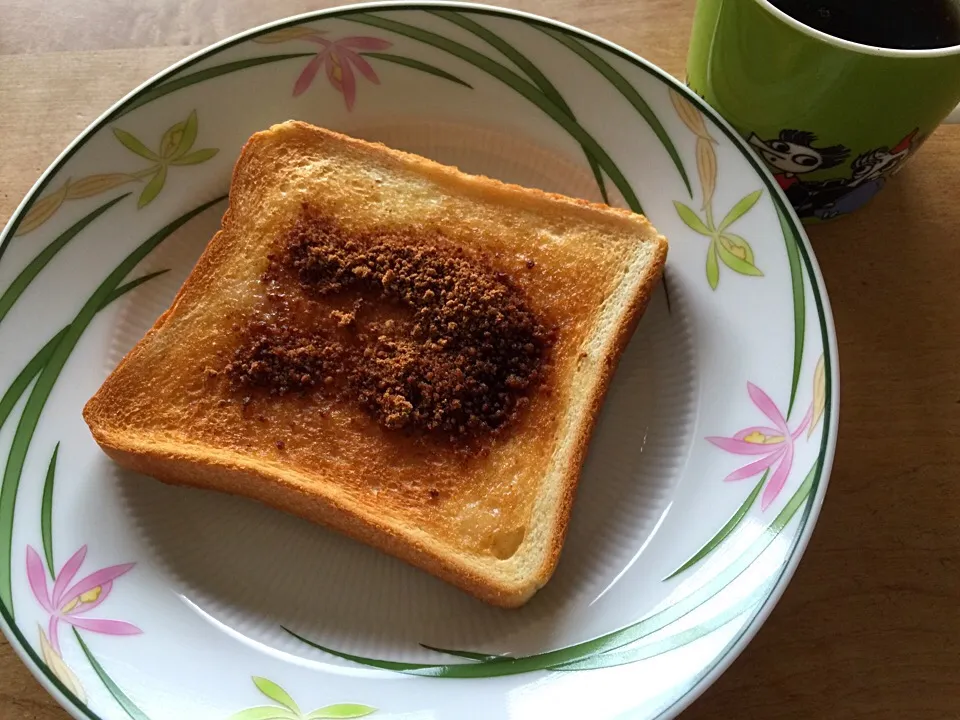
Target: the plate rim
(811, 513)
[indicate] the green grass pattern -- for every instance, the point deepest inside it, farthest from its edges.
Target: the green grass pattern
(123, 701)
(581, 652)
(527, 67)
(37, 399)
(527, 89)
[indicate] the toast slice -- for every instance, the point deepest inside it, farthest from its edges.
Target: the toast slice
(408, 354)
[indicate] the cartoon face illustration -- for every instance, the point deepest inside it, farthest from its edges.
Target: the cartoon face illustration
(876, 164)
(882, 162)
(868, 174)
(792, 153)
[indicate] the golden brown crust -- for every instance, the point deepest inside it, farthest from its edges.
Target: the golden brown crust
(620, 338)
(200, 472)
(596, 288)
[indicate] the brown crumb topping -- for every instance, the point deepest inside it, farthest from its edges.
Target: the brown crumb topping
(420, 334)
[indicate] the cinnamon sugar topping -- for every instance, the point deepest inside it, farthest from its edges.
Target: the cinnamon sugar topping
(420, 334)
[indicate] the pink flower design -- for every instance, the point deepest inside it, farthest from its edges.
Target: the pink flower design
(775, 444)
(339, 58)
(69, 601)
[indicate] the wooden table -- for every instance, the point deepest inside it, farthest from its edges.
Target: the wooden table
(870, 626)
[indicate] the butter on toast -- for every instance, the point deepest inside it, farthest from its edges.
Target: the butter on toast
(408, 354)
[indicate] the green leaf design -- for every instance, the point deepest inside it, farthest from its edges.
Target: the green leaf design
(735, 241)
(276, 693)
(735, 263)
(196, 157)
(188, 138)
(22, 381)
(517, 83)
(341, 710)
(725, 531)
(37, 399)
(468, 655)
(38, 361)
(382, 664)
(666, 291)
(691, 219)
(177, 83)
(629, 93)
(739, 210)
(46, 511)
(417, 65)
(265, 712)
(153, 187)
(673, 642)
(33, 268)
(799, 302)
(133, 145)
(598, 177)
(713, 268)
(527, 67)
(132, 285)
(171, 139)
(123, 701)
(610, 642)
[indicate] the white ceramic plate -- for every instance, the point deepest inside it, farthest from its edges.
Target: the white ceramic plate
(129, 599)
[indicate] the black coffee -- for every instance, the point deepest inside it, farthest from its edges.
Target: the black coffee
(898, 24)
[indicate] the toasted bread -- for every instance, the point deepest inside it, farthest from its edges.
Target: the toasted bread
(452, 447)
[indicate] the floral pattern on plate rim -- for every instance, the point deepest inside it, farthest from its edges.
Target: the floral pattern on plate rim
(339, 59)
(68, 601)
(175, 150)
(776, 444)
(286, 707)
(734, 251)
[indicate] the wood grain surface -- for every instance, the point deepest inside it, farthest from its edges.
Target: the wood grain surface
(870, 626)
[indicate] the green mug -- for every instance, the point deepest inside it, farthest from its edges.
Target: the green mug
(832, 119)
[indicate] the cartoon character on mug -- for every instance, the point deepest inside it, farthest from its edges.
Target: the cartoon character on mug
(793, 154)
(869, 173)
